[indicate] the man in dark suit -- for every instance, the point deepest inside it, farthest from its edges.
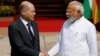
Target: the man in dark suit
(23, 33)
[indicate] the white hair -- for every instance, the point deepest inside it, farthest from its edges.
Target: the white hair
(79, 7)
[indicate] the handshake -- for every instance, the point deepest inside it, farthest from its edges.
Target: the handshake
(43, 54)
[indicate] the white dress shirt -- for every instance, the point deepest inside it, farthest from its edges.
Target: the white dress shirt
(25, 24)
(76, 39)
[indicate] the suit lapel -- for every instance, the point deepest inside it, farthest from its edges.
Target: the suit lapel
(23, 29)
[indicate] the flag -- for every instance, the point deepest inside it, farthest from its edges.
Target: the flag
(96, 11)
(99, 9)
(87, 4)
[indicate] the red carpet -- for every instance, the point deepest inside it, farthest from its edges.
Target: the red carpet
(5, 21)
(45, 24)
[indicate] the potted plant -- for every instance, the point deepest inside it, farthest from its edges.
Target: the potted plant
(6, 10)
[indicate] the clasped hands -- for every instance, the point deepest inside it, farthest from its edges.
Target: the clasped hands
(43, 54)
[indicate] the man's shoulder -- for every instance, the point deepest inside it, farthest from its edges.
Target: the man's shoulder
(88, 23)
(15, 23)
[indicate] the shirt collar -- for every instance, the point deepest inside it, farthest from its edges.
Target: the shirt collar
(79, 19)
(24, 21)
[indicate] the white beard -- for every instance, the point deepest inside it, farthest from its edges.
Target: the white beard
(71, 19)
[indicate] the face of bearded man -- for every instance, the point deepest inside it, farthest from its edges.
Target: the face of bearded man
(72, 14)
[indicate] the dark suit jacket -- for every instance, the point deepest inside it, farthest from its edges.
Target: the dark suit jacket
(21, 45)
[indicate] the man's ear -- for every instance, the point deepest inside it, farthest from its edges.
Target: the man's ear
(23, 12)
(79, 11)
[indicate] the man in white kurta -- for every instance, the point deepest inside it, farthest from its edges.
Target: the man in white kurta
(77, 37)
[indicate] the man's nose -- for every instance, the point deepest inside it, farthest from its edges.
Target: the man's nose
(34, 13)
(67, 14)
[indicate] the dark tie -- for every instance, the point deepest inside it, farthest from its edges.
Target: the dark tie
(30, 31)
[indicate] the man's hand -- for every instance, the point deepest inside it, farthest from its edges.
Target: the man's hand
(43, 54)
(46, 54)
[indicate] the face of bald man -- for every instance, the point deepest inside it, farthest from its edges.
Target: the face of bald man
(29, 12)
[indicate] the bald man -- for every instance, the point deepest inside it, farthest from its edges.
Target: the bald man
(78, 35)
(23, 33)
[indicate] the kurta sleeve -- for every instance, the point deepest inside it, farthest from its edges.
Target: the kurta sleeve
(92, 41)
(55, 49)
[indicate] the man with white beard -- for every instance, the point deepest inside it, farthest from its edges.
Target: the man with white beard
(78, 35)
